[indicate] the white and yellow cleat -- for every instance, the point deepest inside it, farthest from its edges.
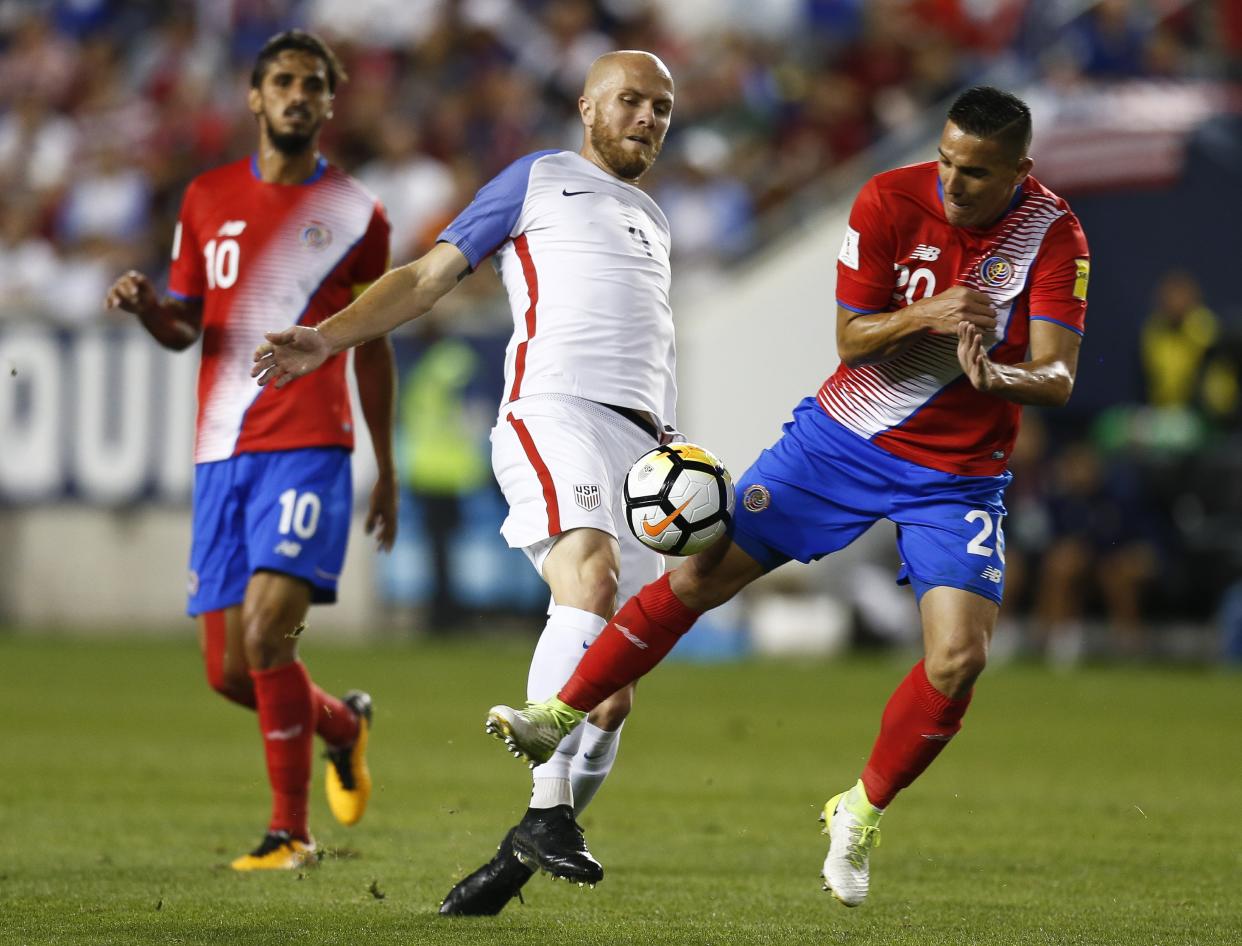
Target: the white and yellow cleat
(851, 823)
(533, 733)
(348, 780)
(278, 851)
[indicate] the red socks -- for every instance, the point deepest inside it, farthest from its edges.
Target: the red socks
(335, 722)
(636, 639)
(287, 711)
(216, 637)
(917, 723)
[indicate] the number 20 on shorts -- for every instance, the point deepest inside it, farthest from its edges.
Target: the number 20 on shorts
(976, 545)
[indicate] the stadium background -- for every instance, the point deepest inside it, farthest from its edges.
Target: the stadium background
(783, 109)
(1083, 808)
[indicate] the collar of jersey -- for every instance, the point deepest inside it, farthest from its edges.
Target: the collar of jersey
(321, 166)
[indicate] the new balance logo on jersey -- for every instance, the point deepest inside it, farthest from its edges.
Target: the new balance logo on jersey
(925, 252)
(992, 574)
(231, 228)
(288, 548)
(625, 632)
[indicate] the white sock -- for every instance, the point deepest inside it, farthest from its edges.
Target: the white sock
(560, 647)
(592, 763)
(565, 638)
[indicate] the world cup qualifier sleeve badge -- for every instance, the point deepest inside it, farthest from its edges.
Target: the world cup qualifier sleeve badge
(587, 495)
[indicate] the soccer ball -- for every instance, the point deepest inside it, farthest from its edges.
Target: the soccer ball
(678, 499)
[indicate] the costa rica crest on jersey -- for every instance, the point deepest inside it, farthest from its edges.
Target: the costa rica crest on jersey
(996, 270)
(587, 495)
(315, 235)
(756, 498)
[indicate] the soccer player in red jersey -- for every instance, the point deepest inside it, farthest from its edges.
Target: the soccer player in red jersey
(281, 231)
(961, 295)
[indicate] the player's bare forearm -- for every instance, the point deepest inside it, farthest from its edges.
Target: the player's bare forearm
(1046, 379)
(868, 339)
(874, 337)
(397, 297)
(375, 371)
(174, 323)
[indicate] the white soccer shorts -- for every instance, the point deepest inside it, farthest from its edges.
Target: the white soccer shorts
(561, 462)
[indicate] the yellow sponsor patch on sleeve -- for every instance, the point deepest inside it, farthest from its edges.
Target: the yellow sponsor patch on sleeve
(1083, 273)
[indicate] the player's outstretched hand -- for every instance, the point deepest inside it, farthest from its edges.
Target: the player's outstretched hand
(382, 512)
(974, 357)
(133, 292)
(289, 354)
(945, 310)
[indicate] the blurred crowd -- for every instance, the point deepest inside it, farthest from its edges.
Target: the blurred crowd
(109, 107)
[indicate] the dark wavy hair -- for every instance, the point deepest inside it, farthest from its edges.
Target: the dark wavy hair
(300, 41)
(986, 112)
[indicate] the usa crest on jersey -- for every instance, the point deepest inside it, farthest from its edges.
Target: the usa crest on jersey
(587, 495)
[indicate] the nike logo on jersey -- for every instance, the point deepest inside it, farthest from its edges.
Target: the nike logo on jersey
(281, 734)
(574, 193)
(937, 736)
(925, 252)
(231, 228)
(625, 632)
(655, 528)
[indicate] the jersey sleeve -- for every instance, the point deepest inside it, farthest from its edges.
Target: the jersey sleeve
(1060, 275)
(373, 251)
(490, 218)
(187, 276)
(865, 263)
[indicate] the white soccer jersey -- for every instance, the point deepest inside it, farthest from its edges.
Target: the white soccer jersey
(584, 257)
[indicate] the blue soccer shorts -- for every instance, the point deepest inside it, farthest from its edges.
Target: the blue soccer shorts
(286, 511)
(821, 486)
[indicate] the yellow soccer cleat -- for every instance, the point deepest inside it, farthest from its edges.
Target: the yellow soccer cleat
(277, 851)
(348, 779)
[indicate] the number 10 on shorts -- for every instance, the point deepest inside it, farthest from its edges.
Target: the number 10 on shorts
(299, 513)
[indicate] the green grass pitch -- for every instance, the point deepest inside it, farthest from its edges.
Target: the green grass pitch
(1090, 808)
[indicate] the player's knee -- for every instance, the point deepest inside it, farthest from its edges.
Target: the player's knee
(597, 585)
(611, 713)
(268, 636)
(953, 669)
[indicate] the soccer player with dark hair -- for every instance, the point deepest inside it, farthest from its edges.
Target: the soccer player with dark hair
(961, 296)
(589, 385)
(285, 231)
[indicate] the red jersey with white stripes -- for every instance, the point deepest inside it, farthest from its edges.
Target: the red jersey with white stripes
(1033, 263)
(263, 255)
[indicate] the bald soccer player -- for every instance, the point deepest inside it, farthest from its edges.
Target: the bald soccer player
(589, 387)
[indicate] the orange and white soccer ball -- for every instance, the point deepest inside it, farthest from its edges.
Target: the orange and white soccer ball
(678, 499)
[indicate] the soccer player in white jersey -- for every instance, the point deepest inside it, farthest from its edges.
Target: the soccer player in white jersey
(589, 387)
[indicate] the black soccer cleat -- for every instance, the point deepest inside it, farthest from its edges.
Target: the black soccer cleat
(488, 889)
(549, 839)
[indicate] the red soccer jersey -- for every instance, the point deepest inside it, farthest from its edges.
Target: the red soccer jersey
(899, 248)
(262, 256)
